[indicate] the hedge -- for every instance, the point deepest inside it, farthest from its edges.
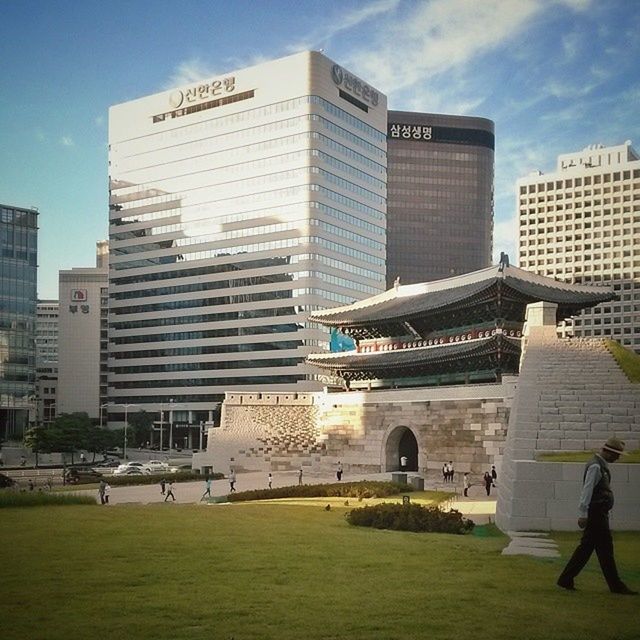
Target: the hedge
(11, 498)
(180, 476)
(410, 517)
(364, 489)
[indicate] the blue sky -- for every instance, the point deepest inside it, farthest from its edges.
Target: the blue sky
(554, 75)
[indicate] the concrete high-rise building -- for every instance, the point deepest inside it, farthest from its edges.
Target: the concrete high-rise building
(440, 195)
(46, 360)
(18, 275)
(581, 223)
(82, 339)
(238, 205)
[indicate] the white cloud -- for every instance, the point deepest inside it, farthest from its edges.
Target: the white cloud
(189, 71)
(505, 238)
(67, 141)
(40, 136)
(99, 121)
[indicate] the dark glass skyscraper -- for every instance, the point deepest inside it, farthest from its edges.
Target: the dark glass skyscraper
(18, 269)
(439, 195)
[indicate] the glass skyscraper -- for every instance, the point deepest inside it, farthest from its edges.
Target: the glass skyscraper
(238, 205)
(18, 299)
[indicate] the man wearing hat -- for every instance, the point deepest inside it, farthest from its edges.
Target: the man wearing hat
(595, 503)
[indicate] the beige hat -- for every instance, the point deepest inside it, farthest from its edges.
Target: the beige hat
(615, 445)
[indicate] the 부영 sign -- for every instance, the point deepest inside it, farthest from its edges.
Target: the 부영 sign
(78, 295)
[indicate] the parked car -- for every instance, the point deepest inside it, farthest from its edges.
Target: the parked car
(131, 467)
(177, 468)
(156, 466)
(82, 475)
(108, 463)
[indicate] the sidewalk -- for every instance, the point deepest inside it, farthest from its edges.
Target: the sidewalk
(481, 509)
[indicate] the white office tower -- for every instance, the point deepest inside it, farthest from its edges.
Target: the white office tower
(238, 205)
(582, 224)
(46, 360)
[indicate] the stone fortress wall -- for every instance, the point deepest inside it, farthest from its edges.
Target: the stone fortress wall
(279, 431)
(572, 396)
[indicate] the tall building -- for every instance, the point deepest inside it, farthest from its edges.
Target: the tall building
(238, 205)
(581, 224)
(440, 196)
(82, 339)
(18, 274)
(46, 360)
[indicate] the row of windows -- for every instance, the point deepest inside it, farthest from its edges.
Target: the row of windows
(19, 217)
(207, 366)
(274, 329)
(349, 186)
(348, 235)
(476, 157)
(578, 182)
(225, 348)
(217, 317)
(349, 251)
(347, 168)
(182, 398)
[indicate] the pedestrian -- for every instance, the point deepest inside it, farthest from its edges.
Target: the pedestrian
(269, 480)
(403, 463)
(207, 484)
(445, 472)
(49, 483)
(31, 485)
(339, 471)
(300, 476)
(494, 474)
(488, 481)
(170, 491)
(596, 500)
(163, 484)
(101, 488)
(451, 471)
(23, 461)
(466, 484)
(107, 492)
(82, 458)
(232, 481)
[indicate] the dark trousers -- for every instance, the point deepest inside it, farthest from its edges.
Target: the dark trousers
(596, 537)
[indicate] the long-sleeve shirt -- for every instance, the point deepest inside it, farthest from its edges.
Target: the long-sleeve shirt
(593, 476)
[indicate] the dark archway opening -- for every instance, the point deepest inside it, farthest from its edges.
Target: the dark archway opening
(408, 447)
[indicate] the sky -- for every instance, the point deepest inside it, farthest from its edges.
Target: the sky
(554, 76)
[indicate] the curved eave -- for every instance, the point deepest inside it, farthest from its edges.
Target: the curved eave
(419, 356)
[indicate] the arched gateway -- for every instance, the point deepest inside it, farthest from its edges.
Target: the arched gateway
(401, 442)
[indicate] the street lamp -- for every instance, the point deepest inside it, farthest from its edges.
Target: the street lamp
(106, 404)
(170, 425)
(126, 422)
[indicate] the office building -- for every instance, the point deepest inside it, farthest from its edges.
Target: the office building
(18, 274)
(581, 223)
(82, 339)
(238, 205)
(46, 360)
(440, 196)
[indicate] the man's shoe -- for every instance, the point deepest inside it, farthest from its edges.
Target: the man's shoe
(566, 585)
(623, 590)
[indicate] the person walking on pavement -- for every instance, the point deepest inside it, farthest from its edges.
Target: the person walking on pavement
(466, 484)
(488, 481)
(269, 480)
(300, 476)
(451, 471)
(232, 481)
(101, 487)
(163, 484)
(107, 492)
(207, 490)
(339, 471)
(494, 474)
(170, 491)
(596, 500)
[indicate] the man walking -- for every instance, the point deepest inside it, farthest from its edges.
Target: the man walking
(207, 490)
(232, 481)
(170, 491)
(596, 501)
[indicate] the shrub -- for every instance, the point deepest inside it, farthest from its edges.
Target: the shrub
(410, 517)
(364, 489)
(181, 476)
(11, 498)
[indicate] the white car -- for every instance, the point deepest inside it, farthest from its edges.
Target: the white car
(130, 468)
(156, 466)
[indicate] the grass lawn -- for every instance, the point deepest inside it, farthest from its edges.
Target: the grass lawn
(286, 571)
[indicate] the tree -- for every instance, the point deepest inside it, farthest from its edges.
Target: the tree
(39, 440)
(69, 432)
(141, 423)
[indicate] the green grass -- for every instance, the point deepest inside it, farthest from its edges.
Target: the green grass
(258, 571)
(628, 360)
(633, 457)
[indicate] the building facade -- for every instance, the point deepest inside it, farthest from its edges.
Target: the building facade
(581, 224)
(46, 360)
(82, 340)
(440, 196)
(18, 275)
(239, 205)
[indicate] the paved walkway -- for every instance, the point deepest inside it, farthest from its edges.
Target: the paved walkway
(480, 509)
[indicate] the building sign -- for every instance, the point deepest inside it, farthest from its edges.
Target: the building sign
(202, 92)
(448, 135)
(358, 88)
(78, 295)
(73, 308)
